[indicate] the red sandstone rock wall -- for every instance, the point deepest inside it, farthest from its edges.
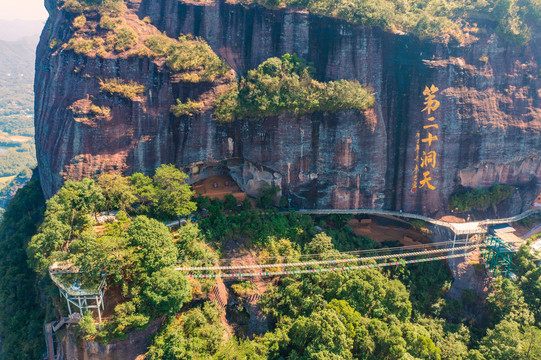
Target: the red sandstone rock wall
(133, 347)
(489, 119)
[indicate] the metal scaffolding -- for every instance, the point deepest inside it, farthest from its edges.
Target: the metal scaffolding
(499, 256)
(67, 279)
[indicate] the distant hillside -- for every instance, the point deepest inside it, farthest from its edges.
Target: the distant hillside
(16, 86)
(13, 30)
(19, 56)
(17, 150)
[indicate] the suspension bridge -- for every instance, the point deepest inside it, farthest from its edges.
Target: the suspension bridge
(499, 259)
(337, 261)
(497, 252)
(314, 270)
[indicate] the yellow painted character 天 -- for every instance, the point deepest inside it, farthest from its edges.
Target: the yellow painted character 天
(426, 180)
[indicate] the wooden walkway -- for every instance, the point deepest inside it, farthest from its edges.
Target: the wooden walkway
(51, 328)
(472, 227)
(50, 341)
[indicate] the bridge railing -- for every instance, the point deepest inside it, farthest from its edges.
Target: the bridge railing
(449, 225)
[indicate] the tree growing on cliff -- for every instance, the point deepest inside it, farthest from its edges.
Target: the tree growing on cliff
(197, 334)
(174, 195)
(145, 191)
(21, 313)
(152, 244)
(286, 85)
(506, 302)
(117, 192)
(165, 291)
(68, 216)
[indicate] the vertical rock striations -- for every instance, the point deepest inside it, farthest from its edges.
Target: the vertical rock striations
(489, 120)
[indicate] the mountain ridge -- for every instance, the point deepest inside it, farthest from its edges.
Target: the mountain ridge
(489, 120)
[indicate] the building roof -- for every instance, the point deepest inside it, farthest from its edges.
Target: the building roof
(510, 238)
(502, 228)
(468, 228)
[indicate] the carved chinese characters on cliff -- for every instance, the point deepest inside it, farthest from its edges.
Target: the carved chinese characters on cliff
(425, 160)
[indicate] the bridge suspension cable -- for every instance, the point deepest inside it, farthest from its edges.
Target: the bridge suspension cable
(401, 249)
(315, 271)
(325, 262)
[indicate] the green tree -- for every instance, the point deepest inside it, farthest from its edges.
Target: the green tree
(530, 284)
(531, 348)
(86, 328)
(174, 195)
(230, 203)
(197, 334)
(275, 248)
(117, 192)
(320, 244)
(502, 342)
(419, 342)
(88, 253)
(506, 301)
(216, 226)
(21, 312)
(144, 189)
(82, 196)
(125, 318)
(152, 244)
(52, 234)
(372, 294)
(267, 195)
(363, 343)
(322, 335)
(286, 84)
(523, 259)
(203, 202)
(191, 245)
(109, 255)
(236, 349)
(246, 204)
(165, 291)
(170, 344)
(67, 217)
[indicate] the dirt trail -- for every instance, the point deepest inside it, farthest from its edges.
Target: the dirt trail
(220, 296)
(381, 233)
(257, 321)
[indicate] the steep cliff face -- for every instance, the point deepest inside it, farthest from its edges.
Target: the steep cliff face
(133, 347)
(488, 122)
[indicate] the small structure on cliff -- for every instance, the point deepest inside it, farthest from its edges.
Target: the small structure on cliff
(505, 232)
(84, 292)
(499, 256)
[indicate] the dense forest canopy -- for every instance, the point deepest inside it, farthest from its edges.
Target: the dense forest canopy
(21, 313)
(395, 313)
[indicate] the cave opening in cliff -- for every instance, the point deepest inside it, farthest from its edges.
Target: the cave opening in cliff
(218, 187)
